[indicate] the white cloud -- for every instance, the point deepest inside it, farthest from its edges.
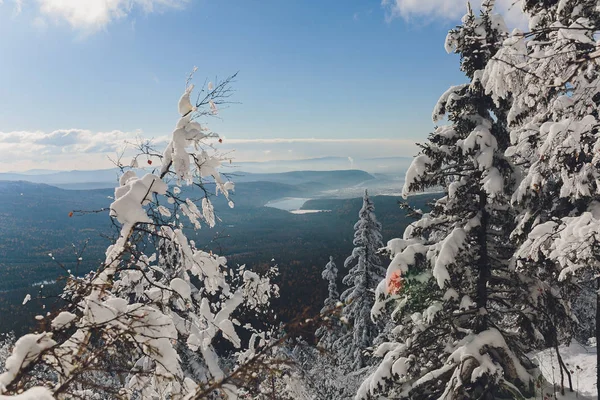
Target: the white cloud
(18, 7)
(67, 149)
(93, 15)
(450, 10)
(67, 140)
(22, 149)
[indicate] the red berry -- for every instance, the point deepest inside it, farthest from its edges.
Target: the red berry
(220, 140)
(150, 162)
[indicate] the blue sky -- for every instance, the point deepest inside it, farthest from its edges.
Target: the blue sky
(324, 69)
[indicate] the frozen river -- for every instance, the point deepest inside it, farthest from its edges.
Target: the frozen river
(287, 203)
(293, 205)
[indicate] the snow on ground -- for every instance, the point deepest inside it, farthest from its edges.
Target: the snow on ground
(581, 361)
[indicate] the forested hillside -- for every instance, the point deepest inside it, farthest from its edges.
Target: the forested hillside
(35, 222)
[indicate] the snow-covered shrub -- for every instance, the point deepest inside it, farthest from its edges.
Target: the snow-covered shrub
(152, 321)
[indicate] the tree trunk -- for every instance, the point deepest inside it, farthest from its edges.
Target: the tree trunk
(597, 335)
(483, 264)
(562, 374)
(564, 368)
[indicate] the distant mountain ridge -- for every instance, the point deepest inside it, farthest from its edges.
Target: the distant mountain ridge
(108, 178)
(64, 177)
(386, 165)
(372, 165)
(298, 177)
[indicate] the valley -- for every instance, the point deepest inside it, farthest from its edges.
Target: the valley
(273, 222)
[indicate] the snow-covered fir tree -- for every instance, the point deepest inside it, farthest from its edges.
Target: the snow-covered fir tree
(365, 272)
(464, 322)
(554, 127)
(328, 333)
(330, 274)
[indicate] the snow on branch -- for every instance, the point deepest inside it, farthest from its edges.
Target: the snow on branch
(151, 314)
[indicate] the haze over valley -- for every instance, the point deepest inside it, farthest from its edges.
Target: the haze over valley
(297, 219)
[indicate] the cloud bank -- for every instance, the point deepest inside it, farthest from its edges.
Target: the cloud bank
(26, 150)
(64, 141)
(67, 149)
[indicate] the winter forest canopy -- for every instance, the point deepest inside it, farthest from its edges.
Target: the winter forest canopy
(492, 290)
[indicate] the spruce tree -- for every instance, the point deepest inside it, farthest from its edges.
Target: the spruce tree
(365, 272)
(330, 274)
(554, 100)
(328, 334)
(456, 295)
